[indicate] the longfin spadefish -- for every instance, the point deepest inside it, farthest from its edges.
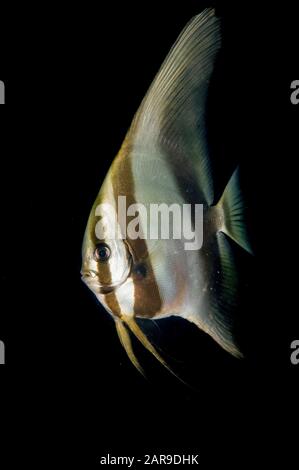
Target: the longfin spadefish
(171, 121)
(232, 211)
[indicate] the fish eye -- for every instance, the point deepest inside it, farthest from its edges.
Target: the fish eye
(102, 252)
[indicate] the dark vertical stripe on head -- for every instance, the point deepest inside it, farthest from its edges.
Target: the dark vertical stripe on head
(103, 271)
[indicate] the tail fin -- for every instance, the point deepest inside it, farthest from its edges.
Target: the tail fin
(232, 207)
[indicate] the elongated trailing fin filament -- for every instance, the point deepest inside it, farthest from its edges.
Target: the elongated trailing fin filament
(127, 344)
(147, 344)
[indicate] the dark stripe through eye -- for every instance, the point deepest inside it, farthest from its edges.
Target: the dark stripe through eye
(102, 252)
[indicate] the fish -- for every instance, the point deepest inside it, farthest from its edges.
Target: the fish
(165, 158)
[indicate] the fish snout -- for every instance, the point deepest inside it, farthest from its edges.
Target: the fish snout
(91, 279)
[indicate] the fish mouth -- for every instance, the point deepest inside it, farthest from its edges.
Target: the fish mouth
(91, 279)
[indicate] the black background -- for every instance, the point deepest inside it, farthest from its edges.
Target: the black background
(74, 79)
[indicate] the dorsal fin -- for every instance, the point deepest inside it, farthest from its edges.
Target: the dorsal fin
(171, 119)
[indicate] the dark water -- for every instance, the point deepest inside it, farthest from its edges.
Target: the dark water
(69, 391)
